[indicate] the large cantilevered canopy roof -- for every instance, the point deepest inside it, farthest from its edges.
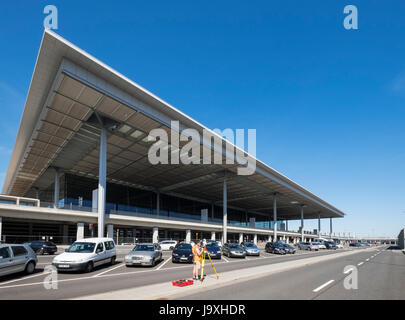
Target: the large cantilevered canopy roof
(70, 88)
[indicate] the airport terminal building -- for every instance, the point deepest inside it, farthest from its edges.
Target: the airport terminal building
(80, 167)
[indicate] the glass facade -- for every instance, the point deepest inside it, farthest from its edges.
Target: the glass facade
(76, 192)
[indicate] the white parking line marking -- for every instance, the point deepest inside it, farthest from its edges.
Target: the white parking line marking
(347, 271)
(367, 259)
(119, 266)
(323, 286)
(24, 278)
(359, 264)
(158, 268)
(225, 259)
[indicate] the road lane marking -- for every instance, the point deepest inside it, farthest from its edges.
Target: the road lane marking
(347, 271)
(225, 259)
(158, 268)
(119, 266)
(323, 286)
(24, 278)
(367, 259)
(359, 264)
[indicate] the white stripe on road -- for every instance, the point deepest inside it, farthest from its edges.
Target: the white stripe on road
(359, 264)
(347, 271)
(24, 278)
(225, 259)
(367, 259)
(158, 268)
(323, 286)
(119, 266)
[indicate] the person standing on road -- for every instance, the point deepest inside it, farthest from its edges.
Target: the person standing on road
(197, 257)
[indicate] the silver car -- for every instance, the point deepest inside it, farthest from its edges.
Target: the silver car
(145, 254)
(308, 246)
(17, 258)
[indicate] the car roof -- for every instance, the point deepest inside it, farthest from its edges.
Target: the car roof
(145, 243)
(94, 239)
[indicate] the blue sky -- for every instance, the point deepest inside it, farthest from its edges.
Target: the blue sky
(328, 103)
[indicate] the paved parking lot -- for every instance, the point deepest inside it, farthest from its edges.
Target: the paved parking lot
(118, 276)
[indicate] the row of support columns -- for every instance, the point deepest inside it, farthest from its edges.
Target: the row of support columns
(102, 196)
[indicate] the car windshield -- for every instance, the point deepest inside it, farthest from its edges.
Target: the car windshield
(234, 246)
(277, 244)
(212, 244)
(81, 247)
(250, 245)
(288, 246)
(184, 246)
(144, 247)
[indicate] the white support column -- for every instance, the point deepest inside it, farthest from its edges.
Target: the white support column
(302, 223)
(155, 237)
(284, 237)
(269, 240)
(330, 228)
(56, 189)
(275, 217)
(65, 239)
(188, 236)
(80, 231)
(110, 231)
(1, 229)
(255, 238)
(134, 234)
(157, 203)
(225, 214)
(213, 235)
(240, 238)
(102, 172)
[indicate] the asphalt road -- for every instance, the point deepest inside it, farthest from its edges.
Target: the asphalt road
(381, 275)
(73, 285)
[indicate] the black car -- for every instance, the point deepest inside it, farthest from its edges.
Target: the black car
(213, 249)
(182, 252)
(288, 248)
(330, 245)
(42, 246)
(275, 247)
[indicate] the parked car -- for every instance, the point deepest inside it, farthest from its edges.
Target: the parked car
(250, 248)
(321, 245)
(275, 247)
(213, 249)
(167, 244)
(308, 246)
(42, 247)
(145, 254)
(16, 258)
(86, 254)
(182, 252)
(331, 245)
(339, 245)
(233, 250)
(288, 248)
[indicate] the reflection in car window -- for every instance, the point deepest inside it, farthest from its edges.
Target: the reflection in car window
(234, 246)
(19, 251)
(144, 247)
(184, 246)
(5, 252)
(100, 247)
(81, 247)
(249, 244)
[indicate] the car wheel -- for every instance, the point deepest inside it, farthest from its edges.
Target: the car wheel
(153, 263)
(112, 262)
(30, 267)
(89, 267)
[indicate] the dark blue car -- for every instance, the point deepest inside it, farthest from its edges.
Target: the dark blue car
(42, 246)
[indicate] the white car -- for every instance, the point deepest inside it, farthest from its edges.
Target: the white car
(319, 244)
(86, 254)
(339, 246)
(167, 244)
